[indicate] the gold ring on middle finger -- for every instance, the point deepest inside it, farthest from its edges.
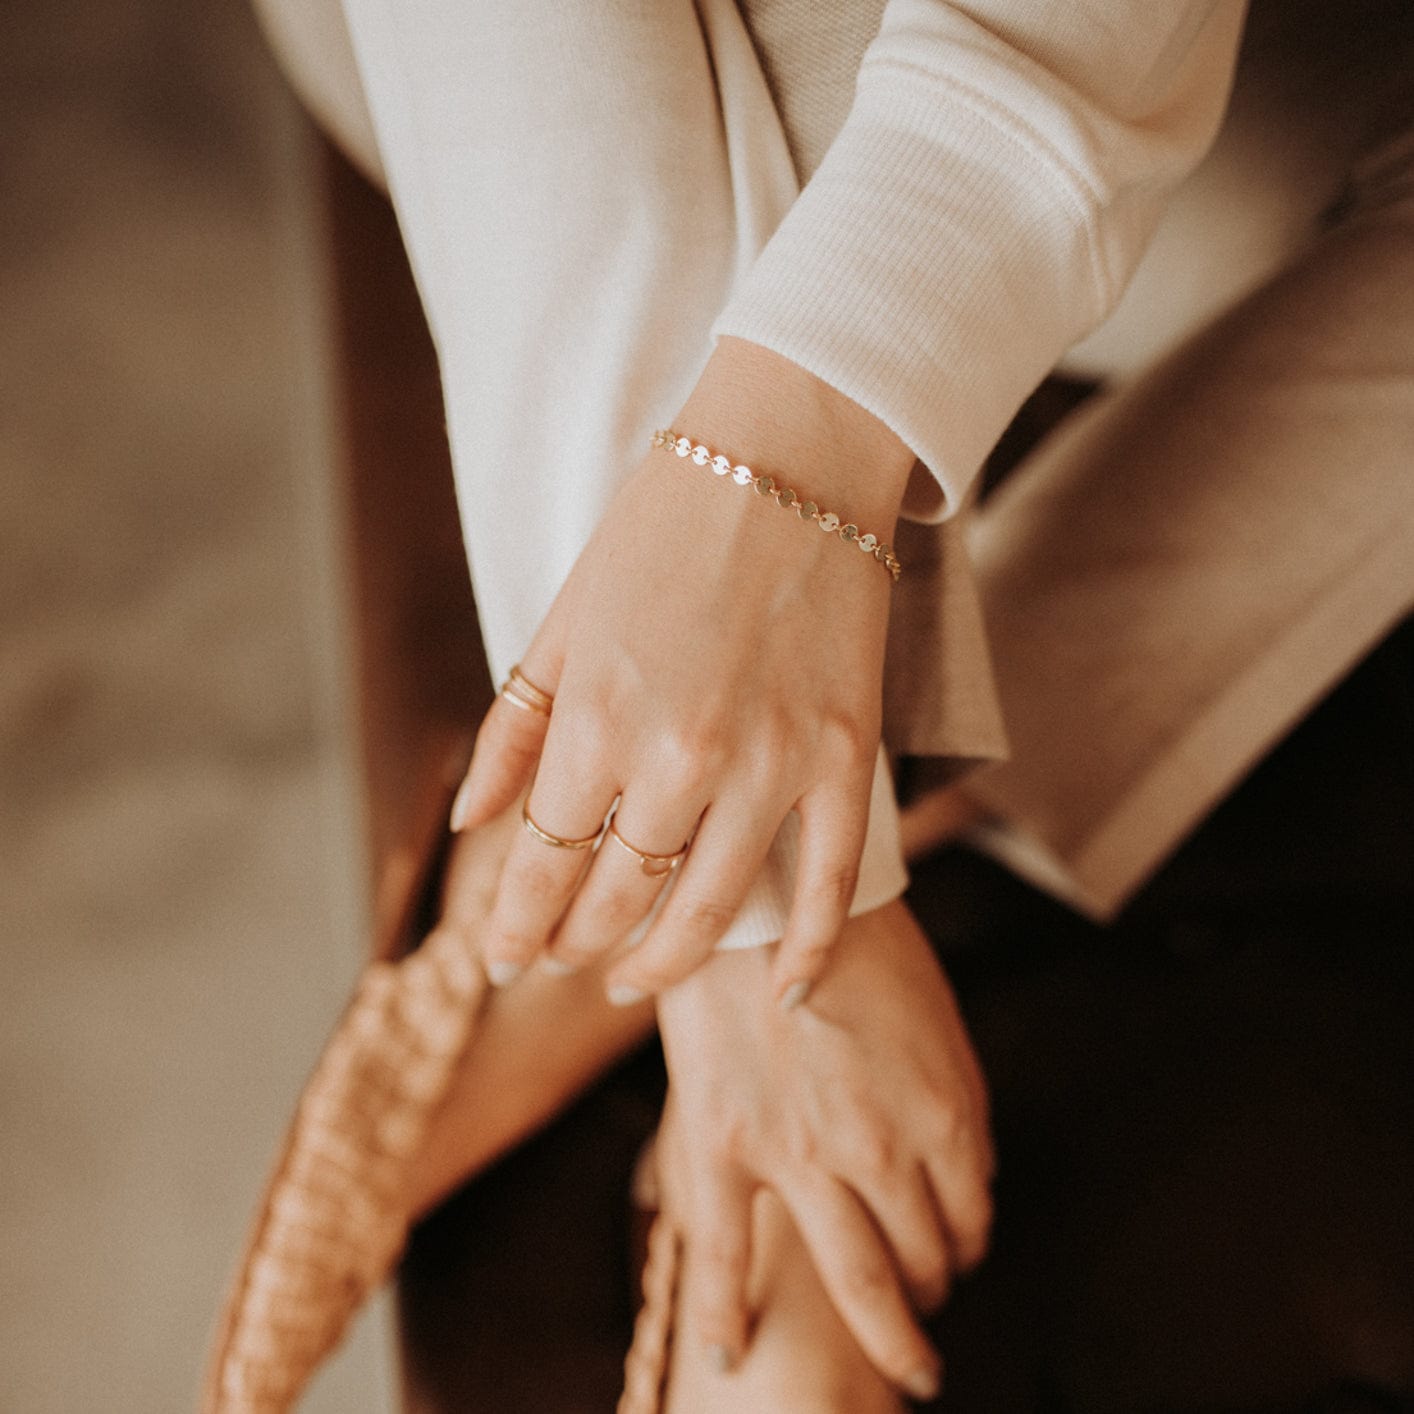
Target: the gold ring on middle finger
(654, 865)
(545, 837)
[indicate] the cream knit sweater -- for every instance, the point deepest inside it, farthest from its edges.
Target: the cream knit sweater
(990, 193)
(591, 193)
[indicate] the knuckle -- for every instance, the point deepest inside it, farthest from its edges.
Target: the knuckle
(722, 1254)
(838, 883)
(613, 912)
(949, 1128)
(533, 877)
(802, 1150)
(695, 744)
(775, 742)
(811, 952)
(716, 1314)
(650, 980)
(574, 945)
(733, 1144)
(509, 736)
(849, 739)
(875, 1149)
(688, 759)
(512, 945)
(934, 1277)
(704, 917)
(873, 1278)
(587, 727)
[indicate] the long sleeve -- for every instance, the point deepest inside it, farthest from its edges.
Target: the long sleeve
(993, 187)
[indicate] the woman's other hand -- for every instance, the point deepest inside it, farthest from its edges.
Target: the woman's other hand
(715, 661)
(865, 1112)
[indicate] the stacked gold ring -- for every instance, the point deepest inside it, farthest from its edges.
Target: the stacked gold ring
(654, 865)
(520, 692)
(559, 842)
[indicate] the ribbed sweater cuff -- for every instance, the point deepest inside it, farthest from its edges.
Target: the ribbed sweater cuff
(922, 278)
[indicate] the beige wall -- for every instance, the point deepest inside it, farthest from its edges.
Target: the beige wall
(178, 829)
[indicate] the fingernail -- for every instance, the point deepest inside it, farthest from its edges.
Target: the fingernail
(461, 806)
(503, 973)
(923, 1383)
(625, 996)
(794, 995)
(720, 1358)
(557, 967)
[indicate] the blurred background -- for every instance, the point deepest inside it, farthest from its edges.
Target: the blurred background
(180, 853)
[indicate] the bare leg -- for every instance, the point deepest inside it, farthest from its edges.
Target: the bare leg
(535, 1047)
(801, 1359)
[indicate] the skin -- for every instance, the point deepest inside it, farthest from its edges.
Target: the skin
(865, 1112)
(566, 1023)
(839, 1105)
(716, 662)
(802, 1357)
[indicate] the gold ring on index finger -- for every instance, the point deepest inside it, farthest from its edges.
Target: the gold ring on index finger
(654, 865)
(559, 842)
(520, 692)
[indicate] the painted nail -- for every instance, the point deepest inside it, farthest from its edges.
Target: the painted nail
(923, 1383)
(794, 995)
(557, 967)
(719, 1358)
(460, 807)
(625, 996)
(503, 973)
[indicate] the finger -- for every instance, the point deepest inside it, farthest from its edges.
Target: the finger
(726, 855)
(905, 1207)
(981, 1115)
(718, 1263)
(621, 888)
(832, 826)
(958, 1167)
(861, 1281)
(508, 746)
(570, 798)
(473, 872)
(975, 1114)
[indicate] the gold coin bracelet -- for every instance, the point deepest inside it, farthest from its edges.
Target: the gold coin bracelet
(783, 496)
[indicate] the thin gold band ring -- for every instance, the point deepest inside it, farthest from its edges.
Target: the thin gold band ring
(654, 865)
(520, 692)
(545, 837)
(516, 700)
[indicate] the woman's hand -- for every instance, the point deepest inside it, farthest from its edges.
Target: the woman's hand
(865, 1112)
(716, 662)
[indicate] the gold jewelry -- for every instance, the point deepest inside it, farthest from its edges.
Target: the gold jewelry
(545, 837)
(520, 692)
(783, 496)
(654, 865)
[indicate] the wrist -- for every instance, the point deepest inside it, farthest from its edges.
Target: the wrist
(764, 410)
(731, 982)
